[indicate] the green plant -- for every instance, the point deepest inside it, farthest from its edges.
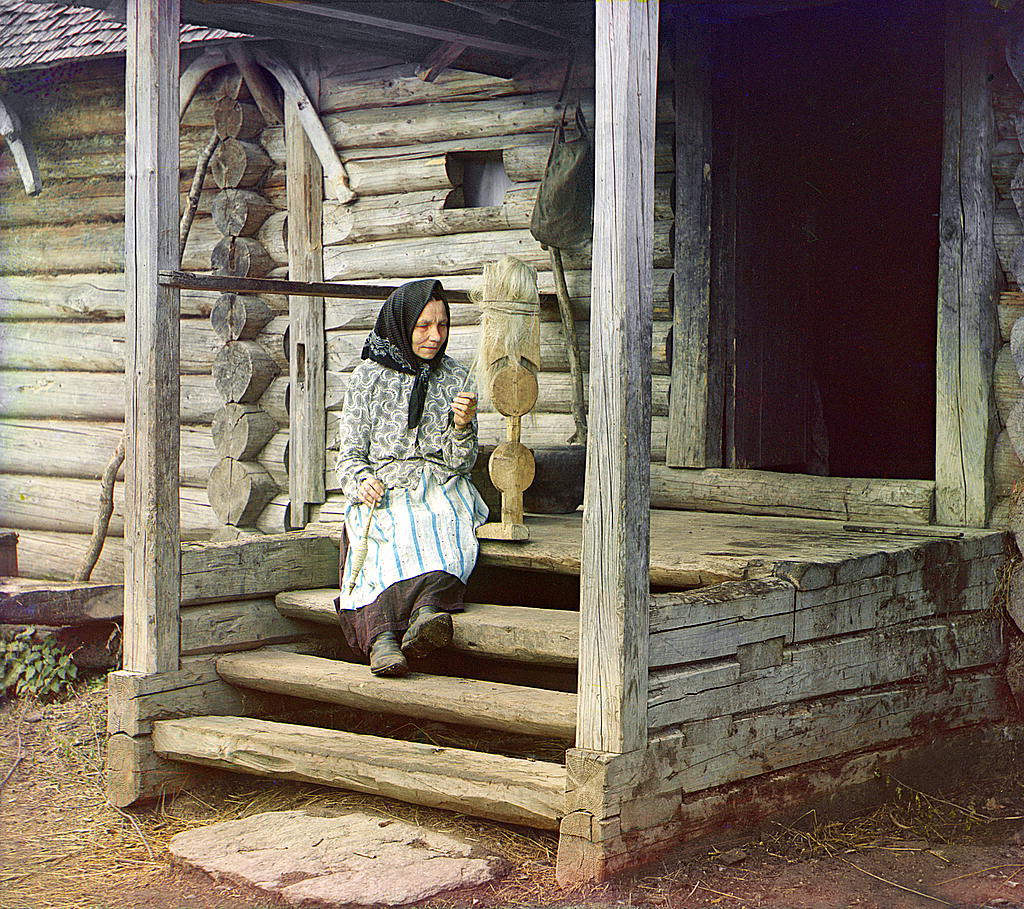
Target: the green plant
(41, 669)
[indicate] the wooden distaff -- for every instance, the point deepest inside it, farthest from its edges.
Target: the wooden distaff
(510, 357)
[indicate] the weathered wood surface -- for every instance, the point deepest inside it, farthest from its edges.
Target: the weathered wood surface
(239, 625)
(695, 415)
(81, 297)
(240, 431)
(240, 212)
(485, 785)
(237, 164)
(77, 448)
(69, 504)
(100, 396)
(241, 257)
(446, 699)
(47, 554)
(616, 517)
(694, 549)
(797, 495)
(344, 347)
(152, 525)
(468, 252)
(967, 280)
(134, 773)
(1007, 469)
(100, 346)
(1010, 309)
(408, 214)
(237, 119)
(306, 350)
(726, 619)
(1006, 384)
(239, 317)
(242, 371)
(31, 601)
(239, 491)
(255, 568)
(519, 634)
(824, 667)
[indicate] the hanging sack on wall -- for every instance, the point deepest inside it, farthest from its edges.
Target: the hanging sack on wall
(563, 215)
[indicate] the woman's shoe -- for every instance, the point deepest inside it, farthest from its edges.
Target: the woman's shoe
(429, 629)
(386, 656)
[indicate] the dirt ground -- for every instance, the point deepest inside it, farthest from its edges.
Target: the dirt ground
(63, 846)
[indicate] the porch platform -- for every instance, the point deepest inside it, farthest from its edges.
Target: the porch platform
(696, 548)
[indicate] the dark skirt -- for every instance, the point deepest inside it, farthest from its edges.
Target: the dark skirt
(391, 610)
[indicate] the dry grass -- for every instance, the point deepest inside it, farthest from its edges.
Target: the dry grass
(54, 755)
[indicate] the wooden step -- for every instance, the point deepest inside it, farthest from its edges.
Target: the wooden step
(510, 708)
(549, 637)
(506, 789)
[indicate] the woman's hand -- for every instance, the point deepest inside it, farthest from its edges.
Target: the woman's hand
(464, 408)
(371, 491)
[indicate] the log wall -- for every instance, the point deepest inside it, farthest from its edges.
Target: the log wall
(1008, 176)
(401, 140)
(62, 324)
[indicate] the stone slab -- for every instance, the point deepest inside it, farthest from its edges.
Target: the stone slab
(319, 858)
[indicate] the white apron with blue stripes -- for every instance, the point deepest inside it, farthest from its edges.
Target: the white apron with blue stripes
(429, 527)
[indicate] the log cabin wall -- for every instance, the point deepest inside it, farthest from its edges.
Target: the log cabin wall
(402, 141)
(1007, 161)
(62, 324)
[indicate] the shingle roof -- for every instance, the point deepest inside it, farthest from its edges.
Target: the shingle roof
(40, 34)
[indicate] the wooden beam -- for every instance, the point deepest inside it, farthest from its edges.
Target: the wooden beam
(968, 280)
(444, 28)
(695, 411)
(439, 59)
(186, 280)
(307, 449)
(152, 527)
(614, 588)
(21, 148)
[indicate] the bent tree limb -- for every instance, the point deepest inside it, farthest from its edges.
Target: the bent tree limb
(106, 509)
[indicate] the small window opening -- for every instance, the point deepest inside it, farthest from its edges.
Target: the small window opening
(484, 180)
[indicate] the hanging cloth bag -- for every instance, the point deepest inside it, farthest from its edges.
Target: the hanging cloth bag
(563, 215)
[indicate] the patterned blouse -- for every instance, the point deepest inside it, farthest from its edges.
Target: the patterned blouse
(374, 439)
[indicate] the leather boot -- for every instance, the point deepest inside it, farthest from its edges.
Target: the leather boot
(429, 628)
(386, 657)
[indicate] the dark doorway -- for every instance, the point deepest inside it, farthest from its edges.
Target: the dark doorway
(829, 135)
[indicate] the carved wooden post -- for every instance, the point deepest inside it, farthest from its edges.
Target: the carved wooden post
(152, 584)
(611, 724)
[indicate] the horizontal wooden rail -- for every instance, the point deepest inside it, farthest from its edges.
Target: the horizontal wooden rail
(187, 280)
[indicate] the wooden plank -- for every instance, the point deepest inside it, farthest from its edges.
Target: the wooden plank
(927, 650)
(446, 699)
(968, 282)
(718, 621)
(239, 625)
(483, 785)
(520, 634)
(615, 551)
(100, 346)
(695, 413)
(134, 773)
(257, 567)
(306, 353)
(707, 753)
(30, 601)
(100, 396)
(790, 494)
(231, 284)
(48, 554)
(152, 578)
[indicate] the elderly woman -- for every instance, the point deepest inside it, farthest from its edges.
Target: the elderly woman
(407, 445)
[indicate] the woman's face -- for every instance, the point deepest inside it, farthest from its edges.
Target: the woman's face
(430, 331)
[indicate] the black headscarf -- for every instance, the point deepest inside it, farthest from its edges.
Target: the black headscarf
(390, 342)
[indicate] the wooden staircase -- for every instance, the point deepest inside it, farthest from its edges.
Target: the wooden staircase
(496, 786)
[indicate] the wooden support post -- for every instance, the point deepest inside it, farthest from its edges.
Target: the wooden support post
(614, 587)
(968, 278)
(307, 449)
(152, 582)
(695, 405)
